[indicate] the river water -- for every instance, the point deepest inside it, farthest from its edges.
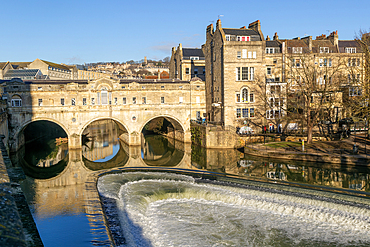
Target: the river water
(241, 201)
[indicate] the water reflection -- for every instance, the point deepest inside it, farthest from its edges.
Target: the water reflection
(63, 194)
(157, 150)
(100, 141)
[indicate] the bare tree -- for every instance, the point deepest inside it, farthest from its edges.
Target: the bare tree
(313, 89)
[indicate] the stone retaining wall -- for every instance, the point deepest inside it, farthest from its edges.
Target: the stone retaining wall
(309, 157)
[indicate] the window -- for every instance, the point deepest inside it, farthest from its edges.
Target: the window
(124, 100)
(238, 77)
(254, 55)
(181, 100)
(197, 99)
(238, 97)
(244, 73)
(62, 101)
(194, 58)
(162, 100)
(249, 54)
(251, 112)
(245, 113)
(269, 50)
(115, 101)
(297, 49)
(73, 101)
(187, 71)
(238, 54)
(93, 101)
(134, 100)
(324, 49)
(350, 49)
(17, 102)
(204, 71)
(244, 55)
(83, 101)
(143, 100)
(355, 91)
(251, 97)
(238, 112)
(268, 71)
(244, 95)
(196, 71)
(104, 97)
(330, 62)
(227, 37)
(243, 38)
(40, 102)
(296, 63)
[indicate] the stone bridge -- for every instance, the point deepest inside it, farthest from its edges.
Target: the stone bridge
(74, 104)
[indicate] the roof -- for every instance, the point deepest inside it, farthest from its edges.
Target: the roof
(19, 64)
(196, 52)
(273, 43)
(240, 32)
(19, 73)
(56, 65)
(342, 44)
(149, 81)
(55, 82)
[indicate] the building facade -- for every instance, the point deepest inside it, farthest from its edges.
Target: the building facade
(249, 77)
(187, 63)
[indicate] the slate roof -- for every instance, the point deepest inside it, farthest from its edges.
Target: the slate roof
(273, 43)
(192, 52)
(55, 82)
(342, 44)
(56, 65)
(240, 32)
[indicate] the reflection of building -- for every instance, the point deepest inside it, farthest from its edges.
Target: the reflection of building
(59, 153)
(103, 135)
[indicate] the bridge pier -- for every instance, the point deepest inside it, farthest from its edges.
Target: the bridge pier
(74, 141)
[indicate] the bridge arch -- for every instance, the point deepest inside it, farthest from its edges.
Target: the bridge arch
(25, 124)
(122, 126)
(176, 123)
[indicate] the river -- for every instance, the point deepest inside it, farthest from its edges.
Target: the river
(275, 203)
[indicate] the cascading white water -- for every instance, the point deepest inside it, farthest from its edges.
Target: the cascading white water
(164, 209)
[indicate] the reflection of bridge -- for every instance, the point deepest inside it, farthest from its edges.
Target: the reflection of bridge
(74, 105)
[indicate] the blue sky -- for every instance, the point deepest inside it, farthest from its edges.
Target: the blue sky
(102, 31)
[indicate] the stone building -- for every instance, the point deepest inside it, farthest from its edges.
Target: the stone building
(187, 63)
(54, 71)
(248, 77)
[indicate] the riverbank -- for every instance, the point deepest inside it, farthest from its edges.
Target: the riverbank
(17, 227)
(337, 152)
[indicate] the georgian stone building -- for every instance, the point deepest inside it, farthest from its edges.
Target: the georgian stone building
(248, 76)
(187, 63)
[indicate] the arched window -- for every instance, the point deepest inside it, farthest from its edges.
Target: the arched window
(244, 95)
(104, 96)
(16, 101)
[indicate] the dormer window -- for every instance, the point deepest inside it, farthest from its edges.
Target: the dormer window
(227, 37)
(194, 58)
(350, 49)
(324, 49)
(244, 38)
(297, 49)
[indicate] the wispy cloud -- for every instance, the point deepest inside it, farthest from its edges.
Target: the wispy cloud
(75, 60)
(164, 47)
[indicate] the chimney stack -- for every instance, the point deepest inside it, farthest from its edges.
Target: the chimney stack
(276, 37)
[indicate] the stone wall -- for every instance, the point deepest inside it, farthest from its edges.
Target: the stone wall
(214, 136)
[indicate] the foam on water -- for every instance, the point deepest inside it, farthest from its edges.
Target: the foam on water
(161, 209)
